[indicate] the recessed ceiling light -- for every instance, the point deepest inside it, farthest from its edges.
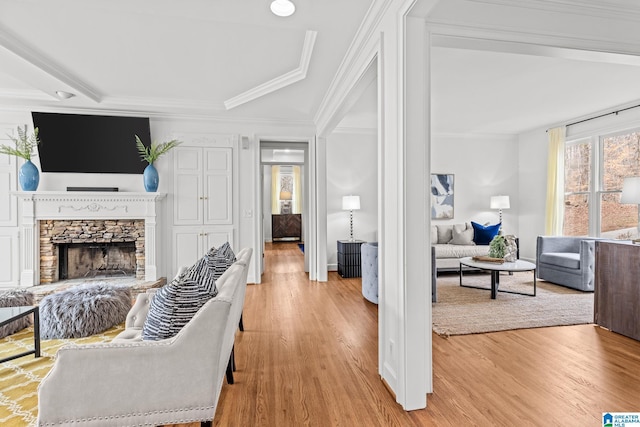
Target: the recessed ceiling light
(283, 7)
(64, 95)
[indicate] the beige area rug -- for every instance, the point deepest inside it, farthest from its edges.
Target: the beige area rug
(461, 311)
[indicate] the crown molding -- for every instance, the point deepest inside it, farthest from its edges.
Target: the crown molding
(476, 136)
(514, 36)
(198, 116)
(364, 45)
(28, 94)
(293, 76)
(46, 65)
(628, 10)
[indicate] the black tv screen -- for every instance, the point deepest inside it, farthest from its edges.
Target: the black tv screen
(90, 144)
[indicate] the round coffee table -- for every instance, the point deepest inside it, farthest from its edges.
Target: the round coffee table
(495, 269)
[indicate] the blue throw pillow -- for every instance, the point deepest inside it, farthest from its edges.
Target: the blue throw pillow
(483, 235)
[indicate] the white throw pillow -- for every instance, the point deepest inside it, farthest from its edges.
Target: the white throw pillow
(444, 233)
(462, 234)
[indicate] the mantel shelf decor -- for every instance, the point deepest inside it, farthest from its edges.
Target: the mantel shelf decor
(24, 144)
(150, 155)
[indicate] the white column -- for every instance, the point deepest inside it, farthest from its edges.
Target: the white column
(29, 244)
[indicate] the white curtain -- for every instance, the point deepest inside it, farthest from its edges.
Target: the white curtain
(297, 190)
(275, 190)
(554, 215)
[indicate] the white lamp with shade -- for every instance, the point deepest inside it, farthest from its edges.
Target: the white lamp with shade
(351, 203)
(500, 202)
(631, 195)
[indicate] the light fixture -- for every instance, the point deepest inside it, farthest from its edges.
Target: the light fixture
(500, 202)
(285, 195)
(631, 195)
(350, 203)
(282, 7)
(64, 95)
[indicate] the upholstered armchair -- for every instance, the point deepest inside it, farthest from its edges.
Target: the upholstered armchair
(566, 261)
(369, 258)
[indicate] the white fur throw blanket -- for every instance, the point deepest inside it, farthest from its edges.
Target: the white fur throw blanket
(16, 298)
(83, 310)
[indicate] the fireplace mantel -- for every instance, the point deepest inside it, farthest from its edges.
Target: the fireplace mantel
(42, 205)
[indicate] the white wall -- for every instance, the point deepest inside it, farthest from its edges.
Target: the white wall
(483, 167)
(197, 131)
(352, 164)
(532, 190)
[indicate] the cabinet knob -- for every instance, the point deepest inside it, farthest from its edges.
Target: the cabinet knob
(201, 198)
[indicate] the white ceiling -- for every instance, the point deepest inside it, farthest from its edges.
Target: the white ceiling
(189, 57)
(484, 92)
(165, 56)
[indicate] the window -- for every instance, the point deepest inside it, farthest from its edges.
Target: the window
(592, 200)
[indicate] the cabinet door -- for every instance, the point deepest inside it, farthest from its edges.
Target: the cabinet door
(8, 173)
(191, 243)
(218, 186)
(186, 247)
(188, 186)
(8, 257)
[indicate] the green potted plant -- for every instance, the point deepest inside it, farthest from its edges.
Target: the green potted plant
(150, 154)
(24, 145)
(498, 247)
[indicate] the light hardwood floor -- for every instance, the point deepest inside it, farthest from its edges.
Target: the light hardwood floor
(308, 357)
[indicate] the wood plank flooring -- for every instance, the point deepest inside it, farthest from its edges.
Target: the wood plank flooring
(308, 357)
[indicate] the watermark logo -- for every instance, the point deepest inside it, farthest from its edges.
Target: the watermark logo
(621, 419)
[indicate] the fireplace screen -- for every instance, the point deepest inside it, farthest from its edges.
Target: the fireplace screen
(77, 260)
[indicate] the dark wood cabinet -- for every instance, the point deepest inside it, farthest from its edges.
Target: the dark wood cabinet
(286, 227)
(349, 262)
(617, 287)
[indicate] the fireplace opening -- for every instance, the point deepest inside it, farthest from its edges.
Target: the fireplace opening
(78, 260)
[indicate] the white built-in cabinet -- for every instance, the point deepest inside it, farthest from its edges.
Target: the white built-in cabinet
(203, 213)
(9, 261)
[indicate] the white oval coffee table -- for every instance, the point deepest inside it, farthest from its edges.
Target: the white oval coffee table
(495, 269)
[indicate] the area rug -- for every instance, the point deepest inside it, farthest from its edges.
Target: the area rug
(461, 311)
(19, 378)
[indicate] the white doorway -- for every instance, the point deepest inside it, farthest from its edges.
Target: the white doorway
(291, 161)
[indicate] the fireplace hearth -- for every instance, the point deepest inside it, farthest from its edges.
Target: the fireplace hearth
(39, 255)
(72, 249)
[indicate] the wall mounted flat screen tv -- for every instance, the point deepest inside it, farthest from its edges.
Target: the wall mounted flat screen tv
(90, 143)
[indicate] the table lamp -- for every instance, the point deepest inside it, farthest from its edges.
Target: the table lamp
(350, 203)
(500, 202)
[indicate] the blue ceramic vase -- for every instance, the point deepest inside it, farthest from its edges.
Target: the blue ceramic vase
(151, 178)
(29, 176)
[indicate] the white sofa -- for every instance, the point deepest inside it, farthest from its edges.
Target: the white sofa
(135, 382)
(450, 242)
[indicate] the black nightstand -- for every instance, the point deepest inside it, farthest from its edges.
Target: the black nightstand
(349, 264)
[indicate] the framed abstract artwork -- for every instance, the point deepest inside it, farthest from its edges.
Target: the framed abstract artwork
(441, 196)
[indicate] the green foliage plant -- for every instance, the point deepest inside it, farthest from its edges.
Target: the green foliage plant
(23, 144)
(154, 151)
(498, 247)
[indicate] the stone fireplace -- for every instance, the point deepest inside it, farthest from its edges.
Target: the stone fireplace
(100, 223)
(72, 249)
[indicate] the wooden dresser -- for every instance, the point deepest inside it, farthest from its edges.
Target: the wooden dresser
(617, 287)
(286, 227)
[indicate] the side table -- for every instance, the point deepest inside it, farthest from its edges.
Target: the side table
(349, 262)
(9, 314)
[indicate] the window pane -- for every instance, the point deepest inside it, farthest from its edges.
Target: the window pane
(576, 215)
(577, 168)
(617, 221)
(621, 156)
